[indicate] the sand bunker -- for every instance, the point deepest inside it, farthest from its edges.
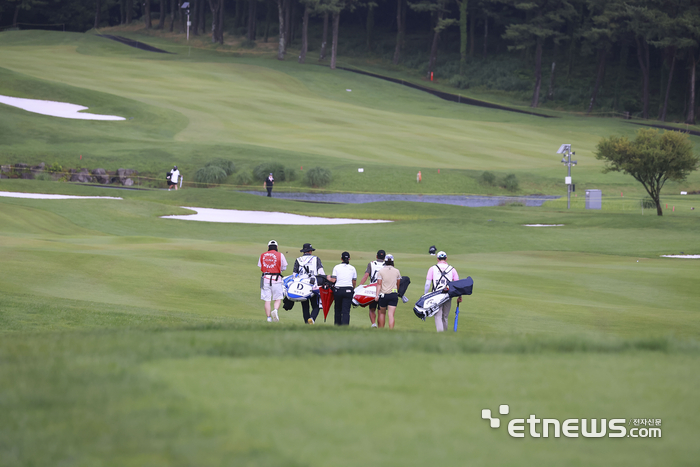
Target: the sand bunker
(543, 225)
(682, 256)
(55, 109)
(11, 194)
(233, 216)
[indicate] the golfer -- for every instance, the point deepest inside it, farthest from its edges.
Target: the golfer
(371, 272)
(269, 182)
(345, 277)
(388, 281)
(272, 263)
(174, 177)
(309, 266)
(437, 278)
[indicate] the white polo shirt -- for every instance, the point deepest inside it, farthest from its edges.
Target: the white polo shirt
(344, 274)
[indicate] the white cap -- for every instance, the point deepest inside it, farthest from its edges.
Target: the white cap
(271, 242)
(389, 257)
(441, 255)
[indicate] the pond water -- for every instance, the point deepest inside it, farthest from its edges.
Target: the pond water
(471, 201)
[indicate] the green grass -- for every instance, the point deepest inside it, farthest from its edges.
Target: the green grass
(127, 339)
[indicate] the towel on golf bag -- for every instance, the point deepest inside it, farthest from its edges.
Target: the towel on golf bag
(460, 287)
(403, 285)
(430, 303)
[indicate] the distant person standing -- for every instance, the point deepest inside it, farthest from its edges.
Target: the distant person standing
(269, 182)
(174, 177)
(437, 278)
(388, 281)
(419, 177)
(371, 273)
(272, 263)
(345, 277)
(309, 266)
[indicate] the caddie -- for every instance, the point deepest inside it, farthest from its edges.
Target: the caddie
(272, 263)
(309, 266)
(371, 273)
(437, 278)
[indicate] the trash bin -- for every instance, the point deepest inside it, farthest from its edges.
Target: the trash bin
(594, 199)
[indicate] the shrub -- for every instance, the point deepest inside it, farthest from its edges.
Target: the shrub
(459, 81)
(510, 182)
(44, 177)
(261, 171)
(228, 166)
(290, 174)
(243, 178)
(211, 175)
(55, 168)
(488, 178)
(318, 176)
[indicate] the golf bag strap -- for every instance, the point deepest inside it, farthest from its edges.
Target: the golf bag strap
(443, 274)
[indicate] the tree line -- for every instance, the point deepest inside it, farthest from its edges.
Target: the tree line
(655, 43)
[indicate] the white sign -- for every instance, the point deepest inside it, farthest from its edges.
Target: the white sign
(684, 192)
(567, 180)
(360, 170)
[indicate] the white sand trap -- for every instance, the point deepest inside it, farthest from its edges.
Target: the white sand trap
(55, 109)
(682, 256)
(11, 194)
(233, 216)
(543, 225)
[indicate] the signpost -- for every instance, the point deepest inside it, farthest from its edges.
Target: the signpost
(186, 6)
(565, 149)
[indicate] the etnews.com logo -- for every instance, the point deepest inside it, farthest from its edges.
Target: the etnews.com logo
(573, 427)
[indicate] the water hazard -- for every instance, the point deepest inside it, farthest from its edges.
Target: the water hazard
(472, 201)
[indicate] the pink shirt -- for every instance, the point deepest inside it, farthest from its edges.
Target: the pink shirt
(434, 274)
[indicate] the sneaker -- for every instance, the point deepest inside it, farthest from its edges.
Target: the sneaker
(374, 325)
(269, 320)
(310, 321)
(275, 316)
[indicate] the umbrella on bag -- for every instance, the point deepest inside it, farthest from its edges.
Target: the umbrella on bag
(326, 300)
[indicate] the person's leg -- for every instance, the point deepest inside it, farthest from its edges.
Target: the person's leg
(266, 295)
(267, 308)
(269, 192)
(373, 314)
(338, 308)
(438, 321)
(381, 317)
(446, 314)
(390, 312)
(305, 311)
(314, 306)
(347, 301)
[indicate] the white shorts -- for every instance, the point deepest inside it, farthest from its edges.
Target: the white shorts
(272, 292)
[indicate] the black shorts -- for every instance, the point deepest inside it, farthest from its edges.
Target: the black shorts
(389, 299)
(171, 183)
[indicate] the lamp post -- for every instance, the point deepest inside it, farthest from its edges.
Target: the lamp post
(565, 149)
(186, 6)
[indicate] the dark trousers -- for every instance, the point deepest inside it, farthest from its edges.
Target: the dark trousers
(269, 192)
(343, 300)
(314, 308)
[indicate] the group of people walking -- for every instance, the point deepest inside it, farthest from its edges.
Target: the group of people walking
(344, 279)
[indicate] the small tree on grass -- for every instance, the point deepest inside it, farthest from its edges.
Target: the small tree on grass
(652, 159)
(210, 175)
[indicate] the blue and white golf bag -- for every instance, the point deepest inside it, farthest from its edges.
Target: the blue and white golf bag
(299, 288)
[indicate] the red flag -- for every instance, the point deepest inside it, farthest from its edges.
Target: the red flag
(326, 301)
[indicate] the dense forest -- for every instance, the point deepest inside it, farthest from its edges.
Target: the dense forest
(635, 57)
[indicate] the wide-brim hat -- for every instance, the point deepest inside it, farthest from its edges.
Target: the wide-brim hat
(307, 247)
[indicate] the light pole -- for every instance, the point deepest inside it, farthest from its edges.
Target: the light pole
(186, 6)
(566, 160)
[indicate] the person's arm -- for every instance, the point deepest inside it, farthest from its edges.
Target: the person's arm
(295, 270)
(428, 280)
(379, 287)
(283, 265)
(319, 266)
(354, 278)
(364, 278)
(333, 277)
(398, 283)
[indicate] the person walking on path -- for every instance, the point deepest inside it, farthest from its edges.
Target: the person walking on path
(272, 263)
(174, 177)
(309, 266)
(437, 278)
(388, 281)
(269, 182)
(344, 276)
(371, 273)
